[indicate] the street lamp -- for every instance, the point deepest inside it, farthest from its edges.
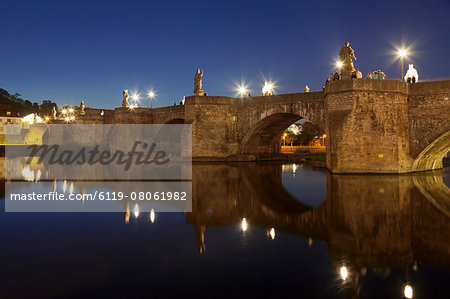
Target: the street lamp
(242, 91)
(135, 96)
(402, 53)
(151, 94)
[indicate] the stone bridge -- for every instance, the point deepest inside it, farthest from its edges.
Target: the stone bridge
(372, 126)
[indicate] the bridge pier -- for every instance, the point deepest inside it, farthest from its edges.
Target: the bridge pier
(375, 126)
(367, 126)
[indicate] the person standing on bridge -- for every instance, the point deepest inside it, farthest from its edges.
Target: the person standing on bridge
(331, 77)
(358, 74)
(336, 76)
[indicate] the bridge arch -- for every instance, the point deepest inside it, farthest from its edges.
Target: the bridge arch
(264, 137)
(431, 157)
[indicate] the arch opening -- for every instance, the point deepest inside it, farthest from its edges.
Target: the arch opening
(282, 133)
(263, 138)
(433, 155)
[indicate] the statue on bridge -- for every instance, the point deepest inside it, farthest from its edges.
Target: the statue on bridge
(125, 103)
(346, 54)
(411, 75)
(82, 112)
(53, 112)
(198, 91)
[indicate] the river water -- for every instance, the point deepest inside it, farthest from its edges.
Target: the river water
(256, 230)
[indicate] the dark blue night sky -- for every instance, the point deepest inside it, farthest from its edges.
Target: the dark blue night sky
(66, 51)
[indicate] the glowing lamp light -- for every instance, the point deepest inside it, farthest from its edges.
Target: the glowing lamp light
(339, 64)
(152, 216)
(47, 118)
(67, 119)
(135, 96)
(402, 52)
(244, 224)
(72, 117)
(64, 111)
(408, 291)
(151, 94)
(343, 272)
(70, 110)
(242, 90)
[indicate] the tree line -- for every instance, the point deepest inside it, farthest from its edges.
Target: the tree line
(24, 107)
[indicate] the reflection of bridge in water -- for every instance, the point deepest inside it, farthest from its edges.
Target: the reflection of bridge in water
(370, 221)
(373, 221)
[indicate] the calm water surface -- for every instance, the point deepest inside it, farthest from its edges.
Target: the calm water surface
(306, 234)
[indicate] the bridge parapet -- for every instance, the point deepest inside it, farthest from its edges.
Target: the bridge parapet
(144, 115)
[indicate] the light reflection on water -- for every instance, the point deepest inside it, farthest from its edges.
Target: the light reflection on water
(256, 230)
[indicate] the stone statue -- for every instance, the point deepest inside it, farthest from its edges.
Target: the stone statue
(411, 75)
(198, 91)
(54, 112)
(82, 112)
(125, 103)
(345, 56)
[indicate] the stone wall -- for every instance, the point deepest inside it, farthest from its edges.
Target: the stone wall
(147, 115)
(429, 120)
(367, 126)
(387, 126)
(262, 120)
(214, 126)
(224, 126)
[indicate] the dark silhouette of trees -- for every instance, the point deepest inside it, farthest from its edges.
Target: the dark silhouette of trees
(24, 107)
